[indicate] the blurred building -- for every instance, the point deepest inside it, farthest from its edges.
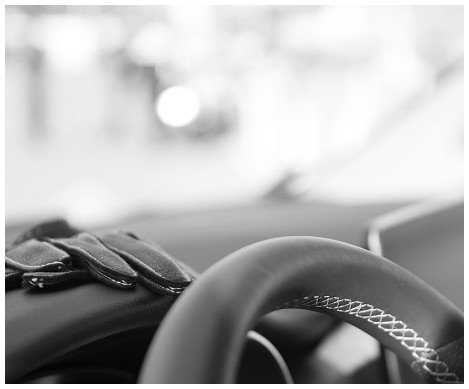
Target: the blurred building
(115, 110)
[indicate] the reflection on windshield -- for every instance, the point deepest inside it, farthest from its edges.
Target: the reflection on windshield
(115, 110)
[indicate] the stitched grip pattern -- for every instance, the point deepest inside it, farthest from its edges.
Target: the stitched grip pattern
(425, 356)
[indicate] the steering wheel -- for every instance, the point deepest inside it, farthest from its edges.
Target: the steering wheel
(201, 338)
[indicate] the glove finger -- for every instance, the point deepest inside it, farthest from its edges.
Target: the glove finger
(34, 255)
(101, 262)
(57, 228)
(44, 279)
(187, 269)
(157, 270)
(12, 278)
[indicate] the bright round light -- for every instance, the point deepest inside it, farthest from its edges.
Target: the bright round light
(177, 106)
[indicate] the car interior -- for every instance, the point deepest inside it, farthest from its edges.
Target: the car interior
(285, 346)
(263, 194)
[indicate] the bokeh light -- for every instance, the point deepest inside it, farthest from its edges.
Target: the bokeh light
(177, 106)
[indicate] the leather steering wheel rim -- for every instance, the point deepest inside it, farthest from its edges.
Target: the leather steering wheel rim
(202, 337)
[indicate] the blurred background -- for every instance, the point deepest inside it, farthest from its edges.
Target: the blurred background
(114, 111)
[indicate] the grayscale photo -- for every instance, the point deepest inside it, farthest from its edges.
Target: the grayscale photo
(234, 194)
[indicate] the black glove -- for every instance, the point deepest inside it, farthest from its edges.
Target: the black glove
(156, 269)
(55, 253)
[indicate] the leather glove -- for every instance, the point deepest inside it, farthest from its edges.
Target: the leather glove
(156, 269)
(55, 253)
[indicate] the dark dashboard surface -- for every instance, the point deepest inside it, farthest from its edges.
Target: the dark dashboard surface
(202, 238)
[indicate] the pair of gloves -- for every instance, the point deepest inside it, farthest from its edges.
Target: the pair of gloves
(55, 253)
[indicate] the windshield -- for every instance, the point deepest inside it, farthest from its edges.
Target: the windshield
(113, 111)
